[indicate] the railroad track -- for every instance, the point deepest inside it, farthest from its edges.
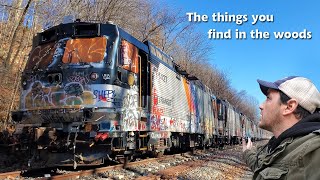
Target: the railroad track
(74, 175)
(48, 173)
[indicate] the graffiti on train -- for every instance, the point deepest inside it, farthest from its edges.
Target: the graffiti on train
(158, 75)
(107, 95)
(130, 114)
(38, 95)
(74, 93)
(165, 123)
(79, 77)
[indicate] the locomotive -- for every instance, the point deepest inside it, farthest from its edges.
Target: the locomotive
(91, 92)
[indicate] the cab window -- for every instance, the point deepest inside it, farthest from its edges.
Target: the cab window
(88, 50)
(129, 57)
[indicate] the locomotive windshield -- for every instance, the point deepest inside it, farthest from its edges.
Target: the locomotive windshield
(41, 56)
(85, 50)
(68, 51)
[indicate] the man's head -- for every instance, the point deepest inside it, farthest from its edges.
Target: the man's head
(288, 100)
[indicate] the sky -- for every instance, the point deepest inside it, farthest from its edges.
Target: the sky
(246, 60)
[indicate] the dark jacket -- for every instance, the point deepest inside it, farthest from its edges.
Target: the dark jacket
(295, 154)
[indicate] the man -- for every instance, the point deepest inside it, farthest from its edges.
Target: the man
(290, 112)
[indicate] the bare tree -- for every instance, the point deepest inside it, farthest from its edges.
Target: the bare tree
(8, 60)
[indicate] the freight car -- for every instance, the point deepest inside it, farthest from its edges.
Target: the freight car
(91, 91)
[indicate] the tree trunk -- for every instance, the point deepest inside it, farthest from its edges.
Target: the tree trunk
(14, 36)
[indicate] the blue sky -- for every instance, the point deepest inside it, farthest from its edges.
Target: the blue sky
(247, 60)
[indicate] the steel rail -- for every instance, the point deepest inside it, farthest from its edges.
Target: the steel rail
(77, 174)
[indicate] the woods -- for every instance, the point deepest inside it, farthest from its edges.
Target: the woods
(150, 20)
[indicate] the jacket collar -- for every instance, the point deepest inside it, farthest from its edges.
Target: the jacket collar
(303, 127)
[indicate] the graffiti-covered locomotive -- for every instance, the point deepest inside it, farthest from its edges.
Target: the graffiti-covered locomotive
(91, 91)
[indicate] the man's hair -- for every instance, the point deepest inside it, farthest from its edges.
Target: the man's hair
(300, 112)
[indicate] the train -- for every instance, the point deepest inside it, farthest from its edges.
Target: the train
(92, 92)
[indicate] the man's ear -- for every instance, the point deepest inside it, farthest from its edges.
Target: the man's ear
(291, 106)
